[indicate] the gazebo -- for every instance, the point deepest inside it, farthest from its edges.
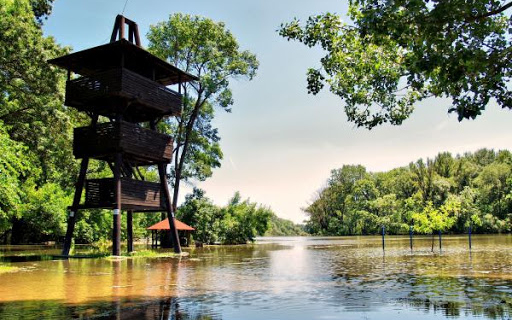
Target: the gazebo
(184, 231)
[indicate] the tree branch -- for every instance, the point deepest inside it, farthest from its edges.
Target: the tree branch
(490, 13)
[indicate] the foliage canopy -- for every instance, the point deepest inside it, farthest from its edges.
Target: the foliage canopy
(442, 194)
(397, 53)
(238, 222)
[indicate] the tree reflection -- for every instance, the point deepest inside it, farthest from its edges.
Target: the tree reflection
(168, 309)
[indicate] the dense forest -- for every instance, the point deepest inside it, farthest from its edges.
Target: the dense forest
(445, 194)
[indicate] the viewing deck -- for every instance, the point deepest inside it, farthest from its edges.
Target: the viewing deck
(121, 91)
(140, 146)
(135, 195)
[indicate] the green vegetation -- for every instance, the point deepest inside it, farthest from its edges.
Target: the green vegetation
(36, 162)
(237, 223)
(442, 194)
(396, 53)
(283, 227)
(5, 269)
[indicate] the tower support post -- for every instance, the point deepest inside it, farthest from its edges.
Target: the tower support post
(129, 230)
(170, 212)
(73, 210)
(116, 227)
(79, 186)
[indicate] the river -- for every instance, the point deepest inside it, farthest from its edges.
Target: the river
(275, 278)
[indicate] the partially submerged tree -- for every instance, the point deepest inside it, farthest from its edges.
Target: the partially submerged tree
(204, 48)
(237, 223)
(397, 53)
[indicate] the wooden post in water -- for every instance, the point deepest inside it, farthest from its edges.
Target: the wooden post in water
(116, 225)
(410, 237)
(129, 230)
(170, 212)
(469, 234)
(440, 247)
(383, 235)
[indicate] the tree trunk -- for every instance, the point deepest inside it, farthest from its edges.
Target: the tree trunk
(179, 168)
(17, 231)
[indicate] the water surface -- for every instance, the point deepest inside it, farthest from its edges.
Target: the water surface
(276, 278)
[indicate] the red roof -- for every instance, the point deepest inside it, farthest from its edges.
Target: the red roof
(164, 225)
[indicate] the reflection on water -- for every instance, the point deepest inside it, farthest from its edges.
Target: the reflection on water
(278, 278)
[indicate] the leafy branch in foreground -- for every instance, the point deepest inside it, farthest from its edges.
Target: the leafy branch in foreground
(397, 53)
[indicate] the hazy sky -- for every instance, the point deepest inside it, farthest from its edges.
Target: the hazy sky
(280, 143)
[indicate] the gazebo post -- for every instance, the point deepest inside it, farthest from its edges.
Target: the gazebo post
(188, 237)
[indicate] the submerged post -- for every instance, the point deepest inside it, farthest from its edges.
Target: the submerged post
(440, 247)
(129, 230)
(469, 234)
(410, 237)
(116, 223)
(383, 235)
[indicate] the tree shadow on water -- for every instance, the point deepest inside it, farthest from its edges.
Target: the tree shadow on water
(166, 308)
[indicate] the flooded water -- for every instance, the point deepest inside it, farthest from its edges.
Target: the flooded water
(276, 278)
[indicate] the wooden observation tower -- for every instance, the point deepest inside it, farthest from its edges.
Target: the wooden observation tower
(127, 86)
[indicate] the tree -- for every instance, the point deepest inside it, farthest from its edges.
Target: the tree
(282, 227)
(34, 123)
(42, 9)
(13, 165)
(433, 219)
(243, 221)
(397, 53)
(238, 222)
(199, 211)
(494, 185)
(205, 48)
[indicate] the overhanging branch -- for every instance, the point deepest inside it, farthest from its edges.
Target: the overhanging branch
(490, 13)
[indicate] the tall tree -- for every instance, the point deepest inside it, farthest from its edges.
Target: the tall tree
(34, 123)
(207, 49)
(397, 53)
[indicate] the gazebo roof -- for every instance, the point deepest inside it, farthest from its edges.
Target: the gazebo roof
(164, 225)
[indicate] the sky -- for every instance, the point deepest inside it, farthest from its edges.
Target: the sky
(280, 143)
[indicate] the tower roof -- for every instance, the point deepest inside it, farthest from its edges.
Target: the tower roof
(110, 55)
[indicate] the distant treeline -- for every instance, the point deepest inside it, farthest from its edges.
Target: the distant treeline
(446, 194)
(282, 227)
